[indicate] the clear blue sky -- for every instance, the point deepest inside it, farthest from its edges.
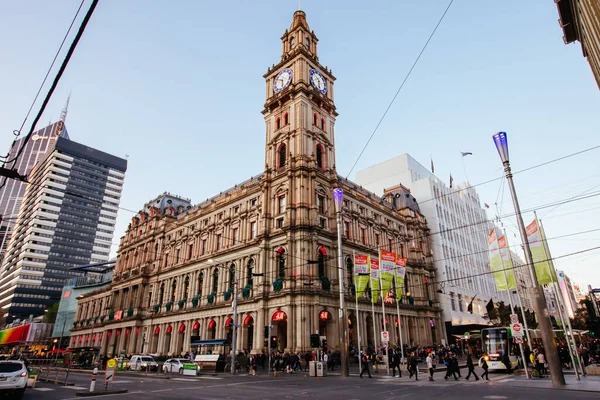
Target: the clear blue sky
(178, 87)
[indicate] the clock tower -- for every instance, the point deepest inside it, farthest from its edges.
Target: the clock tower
(300, 119)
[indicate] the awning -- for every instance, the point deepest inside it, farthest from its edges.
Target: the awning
(210, 342)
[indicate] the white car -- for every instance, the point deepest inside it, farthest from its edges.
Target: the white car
(13, 378)
(175, 365)
(142, 363)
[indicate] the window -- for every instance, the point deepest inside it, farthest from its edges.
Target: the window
(349, 271)
(219, 242)
(277, 123)
(285, 119)
(323, 222)
(253, 203)
(307, 42)
(231, 276)
(292, 42)
(252, 229)
(200, 283)
(323, 123)
(401, 254)
(234, 235)
(279, 223)
(280, 259)
(173, 289)
(281, 204)
(215, 285)
(363, 236)
(319, 157)
(186, 287)
(190, 251)
(282, 155)
(390, 244)
(250, 272)
(321, 262)
(460, 303)
(347, 229)
(452, 303)
(203, 246)
(321, 204)
(315, 119)
(178, 256)
(377, 239)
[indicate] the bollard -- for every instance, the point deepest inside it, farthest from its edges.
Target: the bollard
(93, 382)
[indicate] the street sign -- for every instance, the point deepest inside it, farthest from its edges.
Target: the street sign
(385, 336)
(111, 368)
(518, 339)
(517, 330)
(514, 318)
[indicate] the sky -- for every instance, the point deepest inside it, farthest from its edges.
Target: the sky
(177, 88)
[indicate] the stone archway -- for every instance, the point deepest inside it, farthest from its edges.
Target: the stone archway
(248, 326)
(279, 320)
(180, 340)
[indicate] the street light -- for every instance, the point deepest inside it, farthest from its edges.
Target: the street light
(338, 197)
(540, 306)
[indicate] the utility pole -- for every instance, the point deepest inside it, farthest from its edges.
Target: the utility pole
(235, 321)
(338, 196)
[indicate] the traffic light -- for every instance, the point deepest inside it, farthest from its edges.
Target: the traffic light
(324, 343)
(314, 340)
(266, 332)
(273, 342)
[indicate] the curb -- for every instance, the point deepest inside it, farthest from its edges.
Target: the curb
(91, 394)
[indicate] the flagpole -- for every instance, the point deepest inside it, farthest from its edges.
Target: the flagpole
(556, 294)
(512, 309)
(357, 315)
(387, 364)
(373, 309)
(398, 313)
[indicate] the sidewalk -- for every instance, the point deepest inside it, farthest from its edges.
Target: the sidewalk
(589, 383)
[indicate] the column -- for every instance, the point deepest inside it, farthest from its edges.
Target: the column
(291, 325)
(259, 325)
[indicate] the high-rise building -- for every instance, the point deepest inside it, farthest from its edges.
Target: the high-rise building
(67, 218)
(568, 293)
(12, 191)
(458, 237)
(580, 20)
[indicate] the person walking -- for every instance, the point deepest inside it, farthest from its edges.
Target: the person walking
(414, 367)
(365, 364)
(451, 366)
(484, 365)
(471, 367)
(396, 356)
(430, 365)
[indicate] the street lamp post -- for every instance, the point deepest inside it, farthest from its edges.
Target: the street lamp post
(235, 321)
(541, 308)
(338, 197)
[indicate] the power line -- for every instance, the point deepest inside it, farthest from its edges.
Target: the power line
(400, 88)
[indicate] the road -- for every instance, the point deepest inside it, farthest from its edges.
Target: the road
(299, 386)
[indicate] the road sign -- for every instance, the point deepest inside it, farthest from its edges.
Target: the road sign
(517, 330)
(518, 339)
(514, 319)
(111, 368)
(385, 336)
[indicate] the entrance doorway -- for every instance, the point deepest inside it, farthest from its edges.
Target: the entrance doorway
(249, 326)
(370, 331)
(352, 332)
(279, 319)
(180, 336)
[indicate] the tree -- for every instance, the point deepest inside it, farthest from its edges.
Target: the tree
(580, 319)
(500, 316)
(50, 316)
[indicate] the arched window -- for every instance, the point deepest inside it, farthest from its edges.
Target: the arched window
(319, 156)
(292, 42)
(307, 42)
(277, 123)
(231, 275)
(156, 251)
(321, 262)
(250, 272)
(200, 283)
(323, 123)
(286, 119)
(161, 295)
(215, 285)
(186, 287)
(315, 119)
(282, 155)
(406, 285)
(173, 289)
(349, 271)
(281, 262)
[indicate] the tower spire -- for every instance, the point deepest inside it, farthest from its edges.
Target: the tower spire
(60, 127)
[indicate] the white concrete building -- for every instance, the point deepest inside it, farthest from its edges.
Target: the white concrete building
(459, 232)
(568, 293)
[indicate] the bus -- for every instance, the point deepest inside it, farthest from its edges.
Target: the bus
(496, 342)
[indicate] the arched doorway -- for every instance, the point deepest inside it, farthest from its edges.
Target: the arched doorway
(155, 339)
(325, 320)
(370, 331)
(196, 331)
(352, 331)
(168, 332)
(279, 320)
(229, 329)
(180, 337)
(212, 329)
(411, 329)
(249, 337)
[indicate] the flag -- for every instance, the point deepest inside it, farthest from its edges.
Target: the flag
(466, 153)
(496, 264)
(507, 264)
(432, 169)
(400, 273)
(361, 271)
(538, 252)
(470, 306)
(451, 179)
(374, 280)
(486, 205)
(387, 263)
(490, 306)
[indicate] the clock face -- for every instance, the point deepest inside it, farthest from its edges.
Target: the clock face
(282, 80)
(318, 81)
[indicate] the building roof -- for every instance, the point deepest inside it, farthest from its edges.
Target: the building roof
(299, 21)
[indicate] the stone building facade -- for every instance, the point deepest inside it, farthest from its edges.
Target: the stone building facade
(275, 234)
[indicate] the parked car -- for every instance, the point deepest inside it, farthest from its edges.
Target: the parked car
(13, 378)
(176, 365)
(142, 363)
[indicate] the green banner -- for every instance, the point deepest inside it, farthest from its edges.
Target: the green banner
(538, 252)
(387, 263)
(400, 273)
(507, 263)
(361, 273)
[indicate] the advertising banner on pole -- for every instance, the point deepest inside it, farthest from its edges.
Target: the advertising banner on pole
(361, 271)
(387, 263)
(507, 263)
(400, 273)
(374, 280)
(538, 252)
(496, 261)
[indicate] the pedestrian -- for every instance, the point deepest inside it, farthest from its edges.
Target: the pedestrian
(414, 367)
(450, 367)
(540, 364)
(506, 362)
(396, 357)
(430, 365)
(484, 365)
(365, 364)
(471, 367)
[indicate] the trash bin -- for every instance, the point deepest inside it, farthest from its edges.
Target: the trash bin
(321, 369)
(312, 368)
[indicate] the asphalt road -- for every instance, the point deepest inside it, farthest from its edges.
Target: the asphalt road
(299, 386)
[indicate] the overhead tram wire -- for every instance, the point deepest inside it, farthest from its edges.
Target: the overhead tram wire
(401, 86)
